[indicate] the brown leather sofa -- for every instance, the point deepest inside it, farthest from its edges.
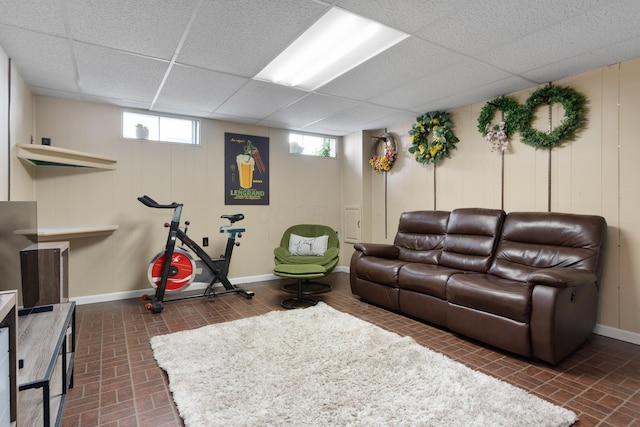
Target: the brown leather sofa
(525, 282)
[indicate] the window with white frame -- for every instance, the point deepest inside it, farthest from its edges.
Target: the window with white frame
(155, 127)
(312, 145)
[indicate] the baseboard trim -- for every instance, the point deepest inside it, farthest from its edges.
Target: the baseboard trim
(117, 296)
(619, 334)
(606, 331)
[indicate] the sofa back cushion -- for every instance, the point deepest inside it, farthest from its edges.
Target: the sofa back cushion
(471, 238)
(420, 235)
(534, 240)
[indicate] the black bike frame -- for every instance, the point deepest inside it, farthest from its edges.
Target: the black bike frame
(219, 267)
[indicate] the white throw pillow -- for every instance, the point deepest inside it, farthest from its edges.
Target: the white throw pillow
(308, 246)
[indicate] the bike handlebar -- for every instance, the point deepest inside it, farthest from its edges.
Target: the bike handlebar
(148, 201)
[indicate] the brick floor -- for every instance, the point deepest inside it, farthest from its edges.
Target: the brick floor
(118, 383)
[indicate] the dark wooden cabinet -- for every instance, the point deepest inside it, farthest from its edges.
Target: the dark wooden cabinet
(45, 277)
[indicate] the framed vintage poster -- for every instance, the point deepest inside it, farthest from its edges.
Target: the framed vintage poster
(246, 160)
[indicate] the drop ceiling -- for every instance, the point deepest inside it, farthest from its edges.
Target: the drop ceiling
(199, 57)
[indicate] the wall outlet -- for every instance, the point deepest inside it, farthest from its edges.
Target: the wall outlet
(205, 241)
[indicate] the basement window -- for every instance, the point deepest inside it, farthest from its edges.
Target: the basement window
(312, 145)
(154, 127)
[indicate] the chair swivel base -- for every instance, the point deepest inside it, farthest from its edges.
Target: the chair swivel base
(298, 302)
(300, 273)
(308, 287)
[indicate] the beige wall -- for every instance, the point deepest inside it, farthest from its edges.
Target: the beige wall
(303, 189)
(16, 127)
(595, 174)
(22, 124)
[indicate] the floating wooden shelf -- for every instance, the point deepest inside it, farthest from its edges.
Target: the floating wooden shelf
(47, 234)
(45, 155)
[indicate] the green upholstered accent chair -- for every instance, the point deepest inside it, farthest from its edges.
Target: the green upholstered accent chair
(329, 260)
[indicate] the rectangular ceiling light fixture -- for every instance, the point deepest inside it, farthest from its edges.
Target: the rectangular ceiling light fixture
(336, 43)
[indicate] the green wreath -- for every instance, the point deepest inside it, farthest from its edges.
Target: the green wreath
(512, 117)
(574, 116)
(431, 137)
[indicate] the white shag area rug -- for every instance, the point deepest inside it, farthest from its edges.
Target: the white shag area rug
(322, 367)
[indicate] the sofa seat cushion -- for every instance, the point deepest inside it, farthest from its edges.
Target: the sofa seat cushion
(379, 270)
(502, 297)
(426, 279)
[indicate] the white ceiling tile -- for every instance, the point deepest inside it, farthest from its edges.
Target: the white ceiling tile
(488, 91)
(241, 37)
(259, 99)
(391, 69)
(596, 29)
(459, 78)
(350, 118)
(397, 116)
(148, 27)
(271, 124)
(113, 74)
(319, 130)
(483, 26)
(234, 119)
(626, 50)
(116, 101)
(198, 89)
(59, 94)
(408, 16)
(53, 66)
(173, 110)
(310, 109)
(38, 15)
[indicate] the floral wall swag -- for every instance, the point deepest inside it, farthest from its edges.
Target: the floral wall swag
(383, 163)
(431, 137)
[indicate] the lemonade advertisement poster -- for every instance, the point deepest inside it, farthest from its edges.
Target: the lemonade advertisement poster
(246, 160)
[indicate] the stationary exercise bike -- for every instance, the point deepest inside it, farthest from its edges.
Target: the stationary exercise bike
(178, 274)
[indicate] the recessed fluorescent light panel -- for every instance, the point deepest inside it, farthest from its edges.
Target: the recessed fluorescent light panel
(336, 43)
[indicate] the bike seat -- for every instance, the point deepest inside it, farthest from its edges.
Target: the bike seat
(233, 218)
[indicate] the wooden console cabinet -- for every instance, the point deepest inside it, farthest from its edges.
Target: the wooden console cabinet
(45, 277)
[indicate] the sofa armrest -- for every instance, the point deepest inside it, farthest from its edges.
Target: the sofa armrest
(561, 277)
(561, 319)
(379, 250)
